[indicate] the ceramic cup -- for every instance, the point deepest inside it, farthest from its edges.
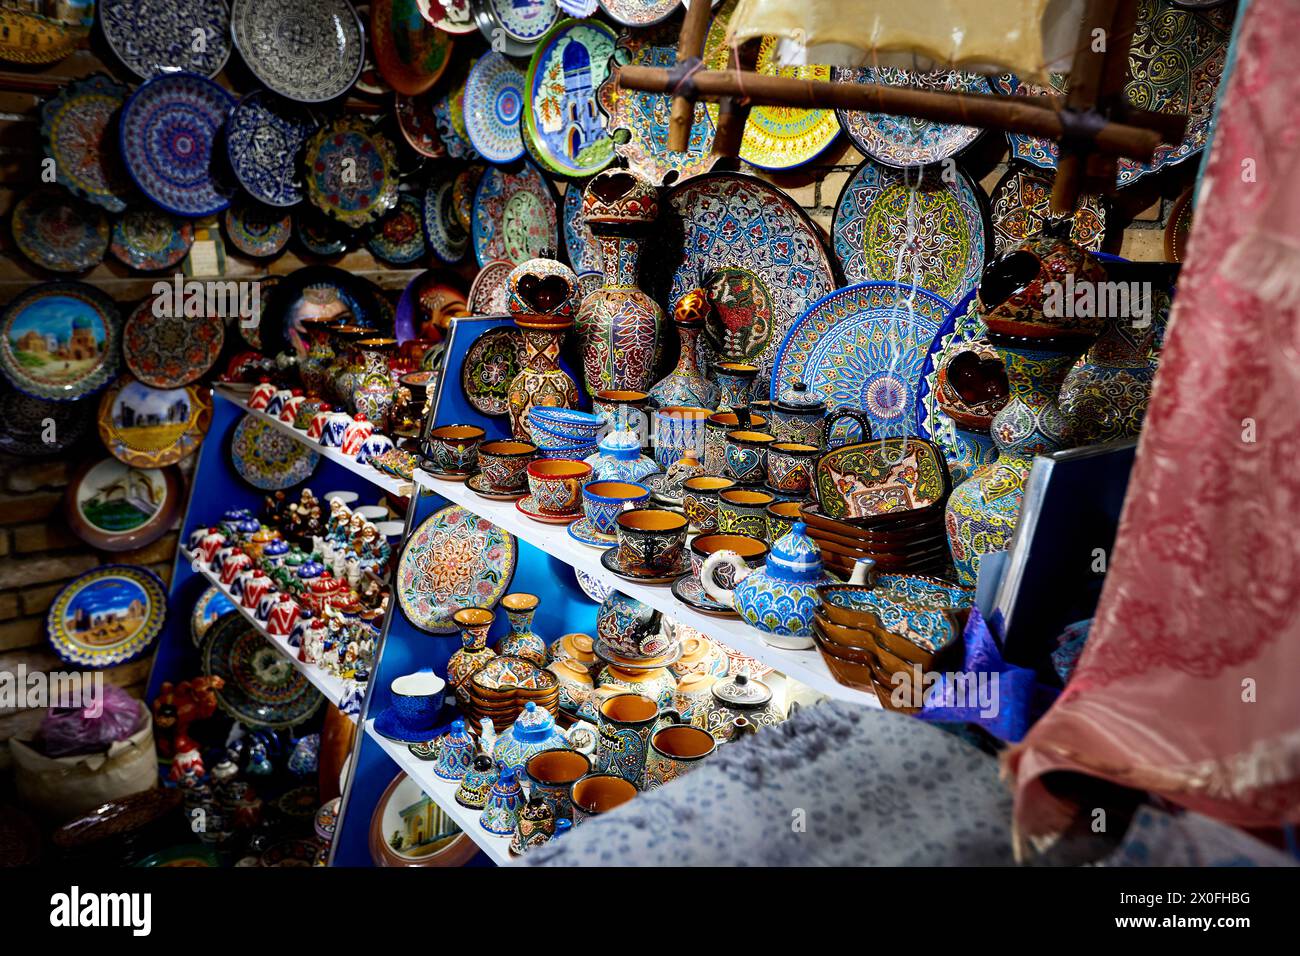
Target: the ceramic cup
(790, 467)
(715, 435)
(551, 775)
(650, 540)
(556, 485)
(752, 551)
(453, 449)
(598, 793)
(623, 410)
(735, 382)
(417, 698)
(675, 751)
(700, 501)
(744, 511)
(504, 464)
(604, 501)
(679, 429)
(746, 456)
(626, 723)
(781, 516)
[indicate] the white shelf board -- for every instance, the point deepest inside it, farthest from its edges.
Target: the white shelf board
(326, 683)
(444, 795)
(806, 667)
(380, 479)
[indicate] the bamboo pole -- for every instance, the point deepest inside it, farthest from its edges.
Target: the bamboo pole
(1090, 64)
(690, 45)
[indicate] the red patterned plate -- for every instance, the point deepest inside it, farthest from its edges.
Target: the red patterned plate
(170, 350)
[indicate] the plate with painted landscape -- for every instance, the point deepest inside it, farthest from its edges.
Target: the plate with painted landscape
(152, 427)
(60, 341)
(107, 616)
(563, 127)
(114, 507)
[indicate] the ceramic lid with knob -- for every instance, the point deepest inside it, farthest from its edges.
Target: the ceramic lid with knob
(742, 691)
(795, 555)
(623, 445)
(533, 723)
(800, 399)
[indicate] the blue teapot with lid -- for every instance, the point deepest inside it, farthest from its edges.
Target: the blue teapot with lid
(620, 458)
(532, 732)
(780, 598)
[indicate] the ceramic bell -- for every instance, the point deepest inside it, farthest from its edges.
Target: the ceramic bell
(476, 784)
(505, 800)
(536, 825)
(455, 753)
(620, 459)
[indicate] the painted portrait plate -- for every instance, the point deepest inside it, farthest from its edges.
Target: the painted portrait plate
(262, 688)
(351, 172)
(264, 136)
(305, 50)
(108, 616)
(153, 427)
(166, 351)
(114, 507)
(60, 341)
(147, 239)
(268, 458)
(59, 232)
(154, 37)
(494, 99)
(77, 127)
(515, 218)
(564, 128)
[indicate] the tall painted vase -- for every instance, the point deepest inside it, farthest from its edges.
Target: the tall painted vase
(542, 296)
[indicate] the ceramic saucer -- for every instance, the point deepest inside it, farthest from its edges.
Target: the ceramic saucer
(526, 505)
(690, 592)
(606, 654)
(443, 475)
(584, 532)
(390, 726)
(480, 487)
(612, 564)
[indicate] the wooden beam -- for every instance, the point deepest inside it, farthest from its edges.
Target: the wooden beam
(690, 45)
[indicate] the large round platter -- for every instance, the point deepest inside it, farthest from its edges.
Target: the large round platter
(862, 348)
(77, 127)
(37, 427)
(638, 121)
(256, 230)
(418, 124)
(639, 13)
(165, 348)
(494, 99)
(351, 172)
(153, 37)
(442, 229)
(761, 256)
(262, 690)
(934, 235)
(1022, 203)
(107, 616)
(1030, 149)
(907, 141)
(166, 134)
(454, 559)
(491, 363)
(59, 232)
(514, 216)
(263, 138)
(147, 239)
(114, 507)
(579, 244)
(515, 27)
(563, 129)
(408, 829)
(268, 458)
(398, 238)
(211, 606)
(963, 324)
(487, 293)
(453, 16)
(410, 56)
(60, 341)
(307, 50)
(152, 427)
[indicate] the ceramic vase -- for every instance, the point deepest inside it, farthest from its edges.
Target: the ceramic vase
(687, 384)
(375, 389)
(474, 653)
(1105, 397)
(521, 641)
(347, 369)
(541, 295)
(735, 383)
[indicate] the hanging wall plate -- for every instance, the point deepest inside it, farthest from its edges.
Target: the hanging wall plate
(450, 115)
(147, 239)
(398, 238)
(351, 170)
(452, 16)
(60, 341)
(1179, 226)
(256, 230)
(442, 229)
(211, 606)
(108, 616)
(487, 293)
(154, 37)
(306, 50)
(261, 688)
(410, 56)
(494, 99)
(1022, 203)
(514, 216)
(264, 136)
(639, 13)
(267, 458)
(59, 232)
(153, 427)
(77, 129)
(170, 351)
(114, 507)
(418, 124)
(514, 27)
(564, 129)
(37, 427)
(579, 244)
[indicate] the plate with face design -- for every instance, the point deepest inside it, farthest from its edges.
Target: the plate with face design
(515, 217)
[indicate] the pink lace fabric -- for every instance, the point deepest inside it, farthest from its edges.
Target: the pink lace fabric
(1187, 685)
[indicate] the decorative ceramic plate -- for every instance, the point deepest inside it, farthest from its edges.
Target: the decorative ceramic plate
(59, 232)
(77, 126)
(761, 256)
(962, 325)
(398, 238)
(208, 609)
(935, 235)
(1179, 226)
(319, 235)
(584, 532)
(191, 855)
(690, 592)
(491, 364)
(454, 559)
(166, 135)
(268, 458)
(37, 427)
(463, 188)
(29, 38)
(257, 230)
(612, 563)
(639, 13)
(1022, 204)
(453, 16)
(410, 56)
(153, 37)
(638, 121)
(442, 228)
(487, 293)
(114, 507)
(306, 50)
(449, 112)
(351, 172)
(60, 341)
(263, 137)
(153, 427)
(165, 348)
(419, 124)
(147, 239)
(514, 216)
(907, 141)
(862, 348)
(527, 506)
(515, 27)
(107, 616)
(408, 829)
(579, 243)
(494, 98)
(564, 130)
(593, 587)
(262, 688)
(480, 487)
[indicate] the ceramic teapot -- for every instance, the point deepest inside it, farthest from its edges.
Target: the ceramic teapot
(532, 732)
(780, 598)
(738, 706)
(800, 415)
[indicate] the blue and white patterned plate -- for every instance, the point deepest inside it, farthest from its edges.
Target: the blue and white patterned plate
(862, 348)
(494, 99)
(268, 458)
(153, 37)
(166, 133)
(584, 532)
(263, 138)
(307, 50)
(442, 229)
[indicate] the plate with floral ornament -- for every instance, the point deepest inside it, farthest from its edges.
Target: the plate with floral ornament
(515, 27)
(257, 230)
(442, 229)
(351, 172)
(147, 239)
(454, 559)
(514, 216)
(166, 135)
(398, 238)
(494, 99)
(419, 124)
(60, 341)
(37, 427)
(563, 127)
(487, 293)
(268, 458)
(59, 232)
(107, 616)
(862, 348)
(491, 364)
(639, 13)
(410, 56)
(152, 427)
(114, 507)
(924, 227)
(262, 689)
(76, 127)
(306, 50)
(170, 351)
(153, 37)
(1022, 204)
(264, 135)
(449, 112)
